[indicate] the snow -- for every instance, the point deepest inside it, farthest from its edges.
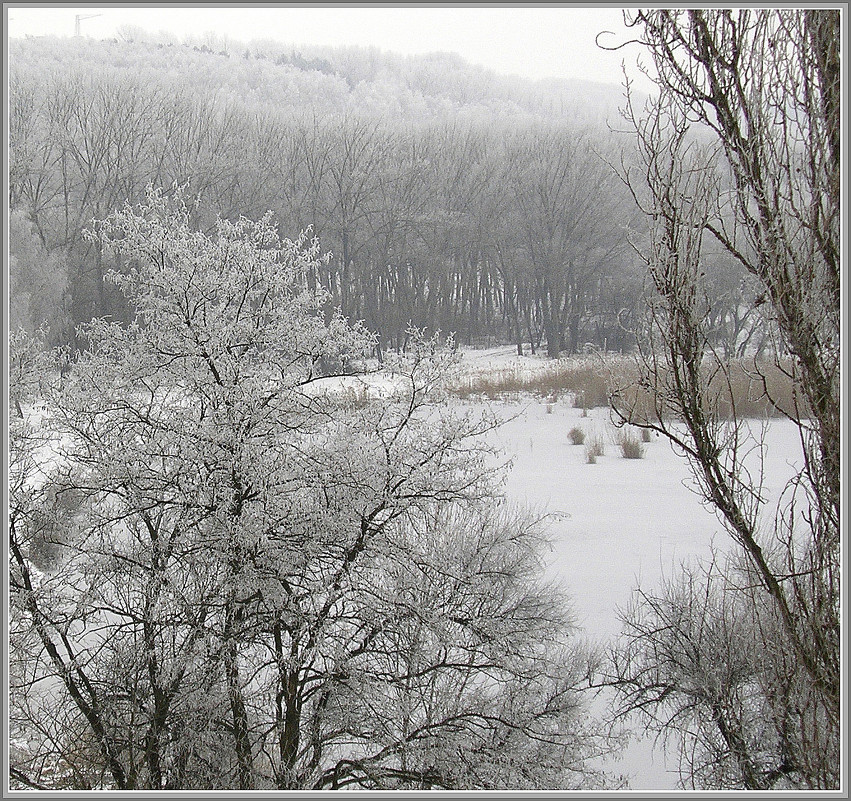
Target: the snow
(617, 523)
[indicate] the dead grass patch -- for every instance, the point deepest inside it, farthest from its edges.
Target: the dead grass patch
(587, 380)
(742, 389)
(746, 388)
(752, 389)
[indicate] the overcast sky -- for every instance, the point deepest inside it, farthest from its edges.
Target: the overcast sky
(555, 41)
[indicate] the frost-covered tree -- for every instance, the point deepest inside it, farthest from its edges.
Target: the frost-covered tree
(270, 568)
(38, 283)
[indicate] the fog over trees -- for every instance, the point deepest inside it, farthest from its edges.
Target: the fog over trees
(440, 190)
(255, 543)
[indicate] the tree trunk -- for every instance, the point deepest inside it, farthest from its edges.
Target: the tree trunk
(239, 717)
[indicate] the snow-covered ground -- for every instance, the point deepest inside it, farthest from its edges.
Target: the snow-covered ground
(617, 523)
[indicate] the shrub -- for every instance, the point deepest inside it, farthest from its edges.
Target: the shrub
(645, 435)
(576, 436)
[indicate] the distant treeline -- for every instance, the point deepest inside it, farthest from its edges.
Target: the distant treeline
(448, 197)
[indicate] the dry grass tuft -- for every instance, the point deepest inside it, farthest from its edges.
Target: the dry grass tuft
(630, 445)
(576, 436)
(357, 397)
(594, 449)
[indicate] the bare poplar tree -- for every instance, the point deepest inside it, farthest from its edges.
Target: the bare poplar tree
(740, 147)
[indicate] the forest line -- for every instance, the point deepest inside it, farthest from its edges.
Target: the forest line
(509, 227)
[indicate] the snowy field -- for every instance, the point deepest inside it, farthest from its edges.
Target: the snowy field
(617, 523)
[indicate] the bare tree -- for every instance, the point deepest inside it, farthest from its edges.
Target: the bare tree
(570, 218)
(706, 661)
(740, 148)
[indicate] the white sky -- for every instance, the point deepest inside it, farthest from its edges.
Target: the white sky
(555, 40)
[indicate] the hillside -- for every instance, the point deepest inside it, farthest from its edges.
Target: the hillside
(322, 80)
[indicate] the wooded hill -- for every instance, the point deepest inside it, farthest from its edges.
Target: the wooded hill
(448, 196)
